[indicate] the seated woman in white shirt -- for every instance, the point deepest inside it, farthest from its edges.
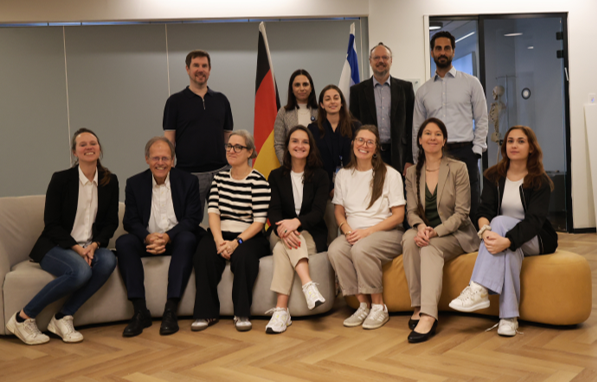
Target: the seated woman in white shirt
(515, 200)
(299, 196)
(369, 207)
(80, 216)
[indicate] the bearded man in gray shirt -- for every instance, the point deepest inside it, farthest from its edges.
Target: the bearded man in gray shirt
(457, 99)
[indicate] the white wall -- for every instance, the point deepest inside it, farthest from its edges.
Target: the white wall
(398, 23)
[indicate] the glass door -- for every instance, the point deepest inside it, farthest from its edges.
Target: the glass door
(525, 84)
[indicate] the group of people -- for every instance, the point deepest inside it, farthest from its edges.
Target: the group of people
(340, 187)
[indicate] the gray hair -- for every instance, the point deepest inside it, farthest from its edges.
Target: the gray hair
(380, 44)
(159, 139)
(249, 141)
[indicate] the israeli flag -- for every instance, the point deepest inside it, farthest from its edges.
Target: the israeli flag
(350, 71)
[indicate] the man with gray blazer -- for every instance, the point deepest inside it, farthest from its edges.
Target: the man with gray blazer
(388, 103)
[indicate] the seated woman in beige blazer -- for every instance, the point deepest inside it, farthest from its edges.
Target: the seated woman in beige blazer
(438, 204)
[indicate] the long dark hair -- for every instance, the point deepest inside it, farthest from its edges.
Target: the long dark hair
(291, 104)
(103, 171)
(346, 119)
(421, 160)
(536, 173)
(313, 159)
(379, 167)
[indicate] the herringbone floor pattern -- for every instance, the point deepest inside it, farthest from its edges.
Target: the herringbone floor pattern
(320, 349)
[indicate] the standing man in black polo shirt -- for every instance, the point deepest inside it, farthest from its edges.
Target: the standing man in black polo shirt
(198, 121)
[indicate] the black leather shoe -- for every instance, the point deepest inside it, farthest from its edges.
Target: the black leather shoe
(412, 324)
(416, 337)
(169, 323)
(140, 321)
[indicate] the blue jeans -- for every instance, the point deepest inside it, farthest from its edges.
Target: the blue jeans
(73, 275)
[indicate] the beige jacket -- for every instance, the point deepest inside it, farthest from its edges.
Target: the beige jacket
(453, 202)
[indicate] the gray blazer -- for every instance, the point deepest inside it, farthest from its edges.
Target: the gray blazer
(285, 121)
(453, 202)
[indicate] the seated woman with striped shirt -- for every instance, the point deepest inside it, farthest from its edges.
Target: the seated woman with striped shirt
(237, 208)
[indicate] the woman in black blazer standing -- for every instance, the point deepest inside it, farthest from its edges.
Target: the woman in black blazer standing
(80, 216)
(333, 132)
(299, 196)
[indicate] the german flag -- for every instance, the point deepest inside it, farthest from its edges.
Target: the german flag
(267, 103)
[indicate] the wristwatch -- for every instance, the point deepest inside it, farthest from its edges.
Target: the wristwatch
(239, 240)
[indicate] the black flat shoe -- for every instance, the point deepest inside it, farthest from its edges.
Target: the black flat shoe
(140, 321)
(412, 324)
(169, 323)
(416, 337)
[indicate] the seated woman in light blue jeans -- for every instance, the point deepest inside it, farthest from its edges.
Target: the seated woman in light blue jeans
(81, 215)
(515, 199)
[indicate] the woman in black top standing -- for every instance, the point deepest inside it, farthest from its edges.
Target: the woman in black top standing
(333, 132)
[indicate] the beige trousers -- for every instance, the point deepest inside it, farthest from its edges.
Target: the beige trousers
(358, 266)
(286, 259)
(424, 268)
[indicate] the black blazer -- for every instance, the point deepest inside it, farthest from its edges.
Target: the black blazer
(62, 199)
(315, 197)
(535, 203)
(362, 107)
(330, 161)
(185, 199)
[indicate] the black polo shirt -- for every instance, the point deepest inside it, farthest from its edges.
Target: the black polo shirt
(199, 124)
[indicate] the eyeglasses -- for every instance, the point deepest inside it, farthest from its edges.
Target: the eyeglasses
(366, 142)
(378, 58)
(163, 159)
(237, 148)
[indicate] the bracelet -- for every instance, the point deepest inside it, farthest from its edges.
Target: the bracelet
(340, 226)
(486, 227)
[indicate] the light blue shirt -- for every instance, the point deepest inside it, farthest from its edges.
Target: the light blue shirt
(383, 106)
(457, 99)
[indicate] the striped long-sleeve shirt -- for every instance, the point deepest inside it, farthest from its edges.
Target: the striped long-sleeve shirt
(239, 202)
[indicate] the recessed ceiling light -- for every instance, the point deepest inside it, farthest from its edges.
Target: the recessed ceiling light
(530, 47)
(463, 37)
(435, 25)
(512, 34)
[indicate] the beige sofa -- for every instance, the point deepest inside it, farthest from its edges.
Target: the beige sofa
(21, 222)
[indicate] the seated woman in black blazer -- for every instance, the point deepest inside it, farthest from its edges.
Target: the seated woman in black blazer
(333, 133)
(81, 215)
(299, 195)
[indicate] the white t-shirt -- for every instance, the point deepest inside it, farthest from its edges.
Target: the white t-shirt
(352, 190)
(511, 202)
(304, 114)
(297, 190)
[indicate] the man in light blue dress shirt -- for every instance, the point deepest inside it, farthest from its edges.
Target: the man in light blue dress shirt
(457, 99)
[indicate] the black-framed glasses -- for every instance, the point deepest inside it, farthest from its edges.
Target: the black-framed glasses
(237, 148)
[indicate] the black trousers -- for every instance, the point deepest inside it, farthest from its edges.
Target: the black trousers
(468, 156)
(209, 266)
(130, 250)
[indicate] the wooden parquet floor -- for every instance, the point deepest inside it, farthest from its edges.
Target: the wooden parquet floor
(320, 349)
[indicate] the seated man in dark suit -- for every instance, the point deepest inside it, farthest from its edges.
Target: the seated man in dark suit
(162, 218)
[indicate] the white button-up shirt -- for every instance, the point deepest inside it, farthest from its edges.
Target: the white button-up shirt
(162, 218)
(86, 210)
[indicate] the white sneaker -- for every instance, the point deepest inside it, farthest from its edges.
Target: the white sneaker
(357, 317)
(65, 329)
(473, 297)
(27, 331)
(202, 323)
(242, 324)
(377, 317)
(279, 322)
(312, 295)
(508, 327)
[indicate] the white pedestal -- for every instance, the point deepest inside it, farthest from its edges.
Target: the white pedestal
(591, 129)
